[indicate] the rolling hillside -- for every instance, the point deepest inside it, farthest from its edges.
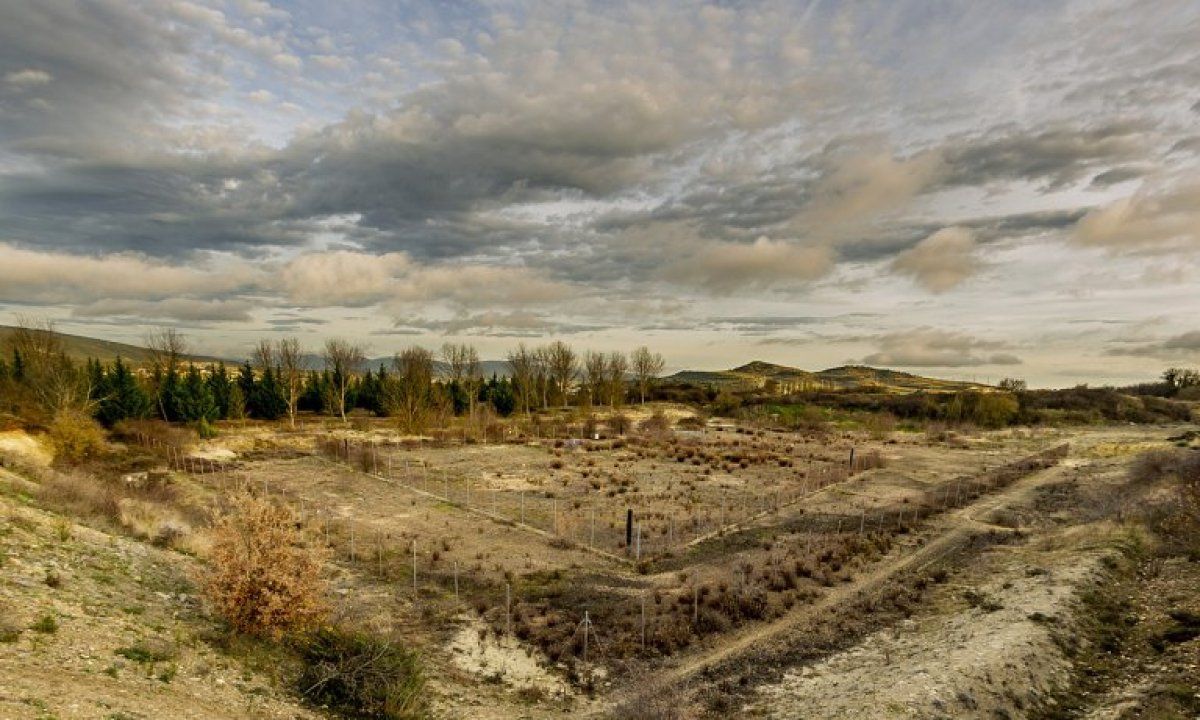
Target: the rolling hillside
(783, 379)
(80, 348)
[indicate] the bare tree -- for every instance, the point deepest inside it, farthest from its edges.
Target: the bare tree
(55, 382)
(342, 359)
(541, 365)
(594, 367)
(409, 392)
(462, 362)
(291, 373)
(646, 367)
(455, 357)
(617, 367)
(564, 366)
(263, 356)
(472, 377)
(522, 368)
(167, 348)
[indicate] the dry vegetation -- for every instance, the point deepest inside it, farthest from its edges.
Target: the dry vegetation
(349, 556)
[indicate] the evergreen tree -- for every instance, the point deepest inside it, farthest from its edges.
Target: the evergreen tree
(237, 403)
(500, 393)
(367, 396)
(18, 366)
(310, 397)
(248, 388)
(458, 397)
(197, 401)
(269, 402)
(220, 386)
(171, 397)
(121, 397)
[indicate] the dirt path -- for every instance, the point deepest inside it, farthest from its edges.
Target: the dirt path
(956, 527)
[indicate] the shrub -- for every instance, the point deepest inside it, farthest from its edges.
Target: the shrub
(75, 437)
(656, 424)
(619, 423)
(263, 577)
(361, 675)
(46, 624)
(652, 702)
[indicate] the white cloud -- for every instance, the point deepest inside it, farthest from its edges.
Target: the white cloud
(725, 268)
(931, 347)
(942, 261)
(27, 78)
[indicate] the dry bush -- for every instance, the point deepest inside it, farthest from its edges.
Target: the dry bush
(619, 423)
(263, 577)
(361, 674)
(75, 437)
(135, 431)
(81, 495)
(880, 425)
(656, 424)
(653, 702)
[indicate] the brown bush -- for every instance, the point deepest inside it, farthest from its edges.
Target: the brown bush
(263, 577)
(75, 437)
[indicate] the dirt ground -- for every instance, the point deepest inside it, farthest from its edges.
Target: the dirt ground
(513, 541)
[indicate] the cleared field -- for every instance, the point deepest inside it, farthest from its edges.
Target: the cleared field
(730, 528)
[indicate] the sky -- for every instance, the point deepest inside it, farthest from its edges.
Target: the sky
(960, 189)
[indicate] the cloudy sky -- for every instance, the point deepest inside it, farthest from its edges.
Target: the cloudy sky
(959, 189)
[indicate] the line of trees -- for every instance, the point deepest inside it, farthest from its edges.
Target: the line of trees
(276, 383)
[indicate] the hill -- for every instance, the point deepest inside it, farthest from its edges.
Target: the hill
(783, 379)
(81, 348)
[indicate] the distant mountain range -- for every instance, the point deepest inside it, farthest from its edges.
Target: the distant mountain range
(759, 374)
(753, 375)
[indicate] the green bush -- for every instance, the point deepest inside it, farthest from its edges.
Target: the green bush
(361, 675)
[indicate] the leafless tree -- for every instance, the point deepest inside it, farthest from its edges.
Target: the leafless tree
(342, 359)
(55, 382)
(263, 356)
(522, 368)
(646, 367)
(594, 367)
(564, 366)
(455, 357)
(291, 373)
(541, 365)
(167, 348)
(463, 364)
(408, 394)
(616, 368)
(472, 377)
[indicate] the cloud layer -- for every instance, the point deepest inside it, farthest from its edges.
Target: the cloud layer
(602, 168)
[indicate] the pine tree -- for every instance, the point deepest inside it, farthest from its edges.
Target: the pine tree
(237, 403)
(220, 386)
(248, 388)
(121, 397)
(269, 401)
(197, 399)
(172, 397)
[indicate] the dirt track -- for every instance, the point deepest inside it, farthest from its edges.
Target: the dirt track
(951, 530)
